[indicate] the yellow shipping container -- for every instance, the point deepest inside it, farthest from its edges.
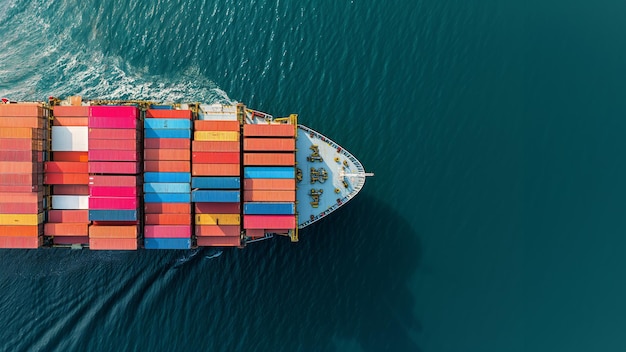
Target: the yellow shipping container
(21, 219)
(218, 219)
(216, 136)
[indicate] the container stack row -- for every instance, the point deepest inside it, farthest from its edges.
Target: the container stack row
(269, 179)
(216, 181)
(22, 193)
(68, 176)
(167, 178)
(115, 159)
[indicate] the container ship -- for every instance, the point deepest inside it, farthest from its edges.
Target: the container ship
(129, 175)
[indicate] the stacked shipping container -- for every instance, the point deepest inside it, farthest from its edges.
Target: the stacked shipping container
(216, 182)
(167, 189)
(114, 181)
(67, 174)
(269, 179)
(23, 131)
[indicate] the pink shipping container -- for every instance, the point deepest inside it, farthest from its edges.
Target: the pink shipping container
(112, 181)
(269, 196)
(255, 233)
(217, 208)
(68, 216)
(269, 184)
(115, 167)
(113, 244)
(269, 221)
(167, 231)
(20, 208)
(97, 191)
(121, 203)
(20, 144)
(67, 240)
(25, 155)
(217, 230)
(113, 144)
(11, 188)
(107, 133)
(21, 179)
(114, 155)
(122, 112)
(21, 242)
(18, 197)
(219, 241)
(106, 122)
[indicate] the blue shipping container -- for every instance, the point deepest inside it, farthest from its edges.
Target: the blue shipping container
(153, 187)
(161, 107)
(269, 172)
(178, 177)
(160, 124)
(112, 215)
(167, 243)
(152, 133)
(166, 198)
(215, 196)
(216, 182)
(269, 208)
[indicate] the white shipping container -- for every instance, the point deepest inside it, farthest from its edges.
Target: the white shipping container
(70, 138)
(70, 202)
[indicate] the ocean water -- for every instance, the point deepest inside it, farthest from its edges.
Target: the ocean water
(496, 220)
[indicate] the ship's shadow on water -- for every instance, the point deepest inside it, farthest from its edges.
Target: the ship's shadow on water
(345, 283)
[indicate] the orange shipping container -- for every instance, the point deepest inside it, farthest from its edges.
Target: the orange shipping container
(14, 167)
(70, 121)
(14, 188)
(65, 229)
(70, 156)
(211, 146)
(113, 244)
(217, 230)
(167, 208)
(168, 219)
(22, 144)
(269, 159)
(70, 190)
(129, 231)
(167, 154)
(21, 179)
(167, 143)
(21, 231)
(215, 125)
(269, 196)
(66, 179)
(216, 170)
(22, 109)
(113, 144)
(21, 208)
(168, 114)
(21, 132)
(17, 197)
(269, 144)
(166, 166)
(267, 130)
(21, 242)
(70, 167)
(22, 121)
(71, 111)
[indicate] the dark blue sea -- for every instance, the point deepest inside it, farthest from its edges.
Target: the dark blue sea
(496, 220)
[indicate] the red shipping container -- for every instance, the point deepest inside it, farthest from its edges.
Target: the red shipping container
(66, 179)
(114, 111)
(22, 121)
(21, 242)
(117, 203)
(168, 114)
(109, 133)
(166, 166)
(69, 156)
(119, 231)
(21, 230)
(269, 159)
(70, 190)
(23, 156)
(215, 125)
(68, 240)
(65, 229)
(20, 144)
(112, 123)
(71, 111)
(167, 143)
(21, 109)
(269, 222)
(217, 230)
(70, 121)
(215, 170)
(113, 144)
(99, 191)
(167, 231)
(68, 216)
(21, 179)
(167, 208)
(14, 167)
(213, 146)
(269, 196)
(269, 144)
(112, 181)
(115, 223)
(219, 241)
(113, 243)
(215, 157)
(168, 219)
(115, 167)
(269, 184)
(217, 208)
(70, 167)
(166, 154)
(267, 130)
(20, 208)
(114, 155)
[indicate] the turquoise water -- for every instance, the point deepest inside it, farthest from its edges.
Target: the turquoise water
(495, 221)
